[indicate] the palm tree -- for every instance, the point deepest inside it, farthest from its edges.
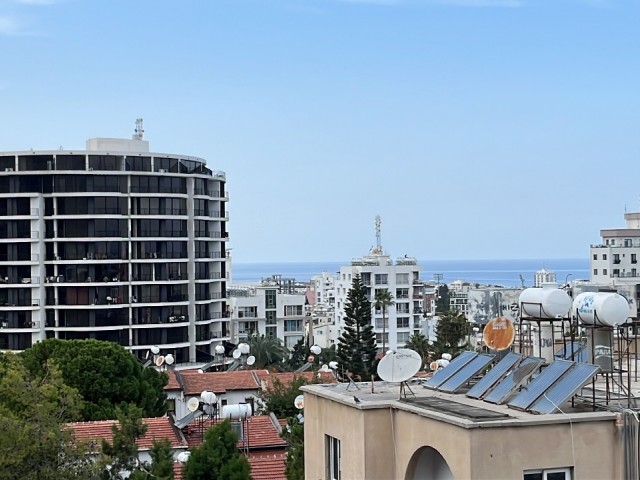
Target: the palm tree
(383, 300)
(420, 344)
(268, 351)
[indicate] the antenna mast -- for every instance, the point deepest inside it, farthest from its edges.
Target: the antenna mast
(378, 234)
(139, 131)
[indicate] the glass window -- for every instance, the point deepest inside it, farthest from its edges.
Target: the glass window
(381, 279)
(402, 278)
(332, 457)
(270, 298)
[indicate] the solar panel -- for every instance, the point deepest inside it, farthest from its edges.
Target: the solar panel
(466, 373)
(550, 375)
(566, 388)
(494, 375)
(573, 351)
(517, 377)
(447, 372)
(184, 421)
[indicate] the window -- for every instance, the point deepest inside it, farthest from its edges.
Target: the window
(270, 298)
(402, 322)
(381, 278)
(616, 258)
(402, 308)
(402, 278)
(634, 259)
(595, 256)
(332, 456)
(549, 474)
(604, 271)
(402, 293)
(604, 256)
(292, 310)
(403, 337)
(382, 324)
(595, 271)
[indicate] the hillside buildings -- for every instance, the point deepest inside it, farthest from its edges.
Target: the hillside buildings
(114, 243)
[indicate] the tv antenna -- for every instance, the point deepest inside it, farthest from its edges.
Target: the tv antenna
(398, 366)
(378, 235)
(139, 131)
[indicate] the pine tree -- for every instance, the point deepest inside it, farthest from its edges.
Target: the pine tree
(357, 344)
(451, 330)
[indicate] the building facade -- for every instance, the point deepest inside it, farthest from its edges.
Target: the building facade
(113, 243)
(402, 278)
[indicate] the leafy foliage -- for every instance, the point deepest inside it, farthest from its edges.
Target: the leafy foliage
(105, 374)
(268, 351)
(293, 433)
(278, 398)
(299, 355)
(161, 467)
(34, 445)
(120, 457)
(451, 329)
(442, 303)
(357, 344)
(218, 458)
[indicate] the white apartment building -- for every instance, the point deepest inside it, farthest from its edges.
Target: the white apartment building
(543, 276)
(401, 278)
(265, 310)
(113, 243)
(323, 286)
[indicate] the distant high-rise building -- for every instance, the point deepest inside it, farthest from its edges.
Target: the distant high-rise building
(544, 276)
(113, 243)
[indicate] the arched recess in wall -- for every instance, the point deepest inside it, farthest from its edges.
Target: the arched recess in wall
(427, 462)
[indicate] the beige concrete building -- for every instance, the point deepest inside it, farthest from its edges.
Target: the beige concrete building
(356, 434)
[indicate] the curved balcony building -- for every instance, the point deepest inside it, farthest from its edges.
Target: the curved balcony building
(113, 243)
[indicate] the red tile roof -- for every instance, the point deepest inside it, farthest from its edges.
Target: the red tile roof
(173, 383)
(268, 466)
(217, 382)
(261, 431)
(157, 429)
(287, 377)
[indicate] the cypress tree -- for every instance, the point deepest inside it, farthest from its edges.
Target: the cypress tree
(357, 344)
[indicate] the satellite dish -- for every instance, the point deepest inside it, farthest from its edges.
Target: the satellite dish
(400, 365)
(311, 358)
(155, 349)
(315, 349)
(499, 334)
(298, 402)
(169, 359)
(159, 361)
(183, 457)
(446, 356)
(237, 353)
(324, 368)
(200, 370)
(208, 397)
(219, 349)
(251, 360)
(244, 348)
(433, 366)
(388, 352)
(193, 404)
(333, 365)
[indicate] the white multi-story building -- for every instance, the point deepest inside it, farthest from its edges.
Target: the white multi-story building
(266, 310)
(544, 276)
(323, 286)
(401, 278)
(113, 243)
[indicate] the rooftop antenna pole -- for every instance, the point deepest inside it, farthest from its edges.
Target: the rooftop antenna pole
(139, 131)
(378, 234)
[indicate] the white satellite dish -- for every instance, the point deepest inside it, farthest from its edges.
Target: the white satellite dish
(251, 360)
(200, 370)
(193, 404)
(219, 349)
(208, 397)
(237, 353)
(325, 368)
(169, 359)
(159, 361)
(315, 349)
(400, 365)
(183, 457)
(446, 356)
(333, 365)
(298, 402)
(155, 349)
(244, 348)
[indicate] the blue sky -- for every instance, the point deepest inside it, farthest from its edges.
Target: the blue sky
(477, 129)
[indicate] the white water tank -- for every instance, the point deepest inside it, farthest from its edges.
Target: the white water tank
(544, 303)
(237, 411)
(602, 308)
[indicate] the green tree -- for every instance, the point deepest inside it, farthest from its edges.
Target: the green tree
(268, 351)
(278, 398)
(161, 466)
(218, 458)
(442, 302)
(299, 355)
(119, 459)
(104, 373)
(293, 433)
(451, 329)
(383, 300)
(357, 344)
(34, 443)
(420, 344)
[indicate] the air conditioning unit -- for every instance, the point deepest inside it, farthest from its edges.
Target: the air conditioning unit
(8, 169)
(162, 170)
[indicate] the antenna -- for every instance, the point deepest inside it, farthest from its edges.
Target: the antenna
(139, 131)
(378, 235)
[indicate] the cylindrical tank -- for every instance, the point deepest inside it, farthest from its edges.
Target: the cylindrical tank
(237, 411)
(602, 308)
(547, 303)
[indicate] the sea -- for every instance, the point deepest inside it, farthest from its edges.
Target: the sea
(507, 273)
